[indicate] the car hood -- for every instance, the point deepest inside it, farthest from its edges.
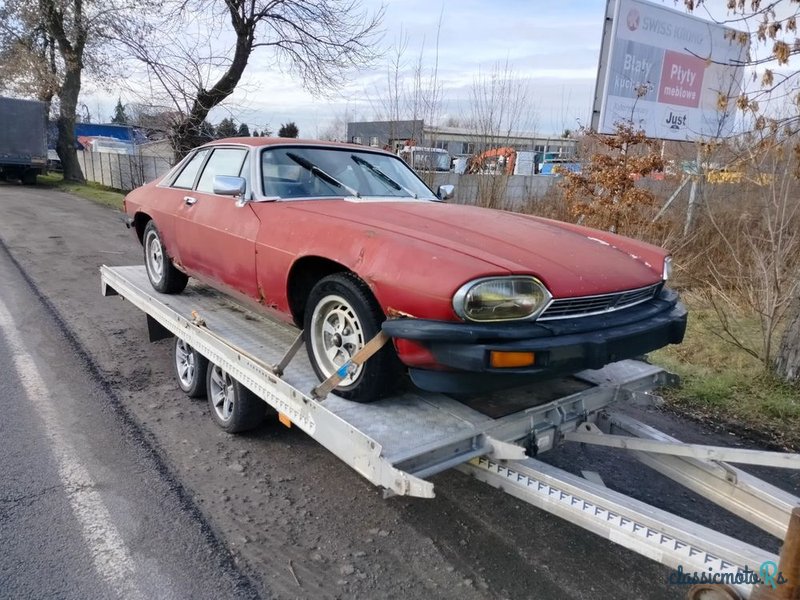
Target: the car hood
(569, 262)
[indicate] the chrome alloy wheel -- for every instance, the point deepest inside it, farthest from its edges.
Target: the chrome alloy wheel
(336, 336)
(154, 254)
(222, 393)
(185, 363)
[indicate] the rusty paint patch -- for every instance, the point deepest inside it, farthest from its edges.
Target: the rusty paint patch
(393, 313)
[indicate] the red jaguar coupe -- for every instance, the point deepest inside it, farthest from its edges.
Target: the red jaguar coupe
(344, 240)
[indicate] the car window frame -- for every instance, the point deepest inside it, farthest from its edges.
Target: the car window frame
(343, 147)
(189, 159)
(247, 152)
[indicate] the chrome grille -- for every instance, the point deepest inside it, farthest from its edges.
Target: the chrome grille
(564, 308)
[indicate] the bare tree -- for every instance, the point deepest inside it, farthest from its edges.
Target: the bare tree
(411, 91)
(336, 129)
(500, 105)
(773, 112)
(76, 26)
(30, 64)
(389, 102)
(319, 40)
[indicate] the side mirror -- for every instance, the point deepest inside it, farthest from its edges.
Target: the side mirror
(225, 185)
(446, 192)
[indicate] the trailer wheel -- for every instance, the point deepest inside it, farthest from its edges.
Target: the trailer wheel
(163, 275)
(190, 368)
(341, 316)
(233, 406)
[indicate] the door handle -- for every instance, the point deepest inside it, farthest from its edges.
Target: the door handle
(189, 200)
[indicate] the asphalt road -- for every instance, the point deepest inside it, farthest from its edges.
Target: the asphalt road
(114, 483)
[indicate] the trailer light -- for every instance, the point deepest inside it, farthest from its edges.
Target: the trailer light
(509, 360)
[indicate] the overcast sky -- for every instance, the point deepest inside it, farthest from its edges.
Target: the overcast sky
(555, 45)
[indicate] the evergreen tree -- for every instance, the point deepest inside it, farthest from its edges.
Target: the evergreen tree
(288, 130)
(244, 130)
(226, 128)
(120, 118)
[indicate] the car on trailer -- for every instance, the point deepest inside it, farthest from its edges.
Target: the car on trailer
(346, 241)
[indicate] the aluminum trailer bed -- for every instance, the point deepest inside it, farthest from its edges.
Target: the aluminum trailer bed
(398, 441)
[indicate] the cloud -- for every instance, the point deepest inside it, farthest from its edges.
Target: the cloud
(554, 45)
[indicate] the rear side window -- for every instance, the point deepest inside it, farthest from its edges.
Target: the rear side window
(224, 161)
(189, 174)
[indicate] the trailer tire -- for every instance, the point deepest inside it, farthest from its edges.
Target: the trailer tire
(233, 407)
(163, 275)
(190, 368)
(341, 316)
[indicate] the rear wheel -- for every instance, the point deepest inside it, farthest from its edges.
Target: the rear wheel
(163, 275)
(29, 177)
(341, 316)
(190, 368)
(233, 406)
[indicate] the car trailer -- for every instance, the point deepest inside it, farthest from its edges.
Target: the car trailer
(399, 441)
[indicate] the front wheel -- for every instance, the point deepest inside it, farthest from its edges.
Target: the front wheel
(233, 406)
(163, 275)
(341, 316)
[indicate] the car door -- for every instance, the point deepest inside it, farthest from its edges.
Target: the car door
(217, 237)
(167, 209)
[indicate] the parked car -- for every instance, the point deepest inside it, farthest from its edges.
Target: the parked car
(344, 241)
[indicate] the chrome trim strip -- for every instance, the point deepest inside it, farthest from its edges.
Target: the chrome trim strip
(655, 287)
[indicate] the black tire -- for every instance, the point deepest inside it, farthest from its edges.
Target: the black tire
(347, 301)
(233, 407)
(163, 275)
(191, 369)
(29, 177)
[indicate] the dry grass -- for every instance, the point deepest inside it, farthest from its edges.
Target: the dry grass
(91, 191)
(731, 271)
(727, 387)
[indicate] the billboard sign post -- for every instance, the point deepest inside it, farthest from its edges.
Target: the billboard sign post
(664, 72)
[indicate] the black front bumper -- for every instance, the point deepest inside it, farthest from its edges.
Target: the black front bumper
(560, 346)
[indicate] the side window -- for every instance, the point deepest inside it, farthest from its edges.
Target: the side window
(186, 178)
(224, 161)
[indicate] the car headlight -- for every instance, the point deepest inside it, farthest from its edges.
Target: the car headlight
(667, 273)
(501, 299)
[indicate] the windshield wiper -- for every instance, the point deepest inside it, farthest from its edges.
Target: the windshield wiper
(308, 165)
(382, 176)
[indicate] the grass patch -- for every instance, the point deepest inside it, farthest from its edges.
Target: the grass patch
(91, 191)
(724, 386)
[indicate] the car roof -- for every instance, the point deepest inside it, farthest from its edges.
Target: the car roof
(273, 141)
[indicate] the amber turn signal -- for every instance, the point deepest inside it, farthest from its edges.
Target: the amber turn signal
(505, 360)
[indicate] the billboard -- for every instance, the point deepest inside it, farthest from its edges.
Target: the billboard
(663, 70)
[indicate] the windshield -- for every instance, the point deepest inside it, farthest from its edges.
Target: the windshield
(314, 172)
